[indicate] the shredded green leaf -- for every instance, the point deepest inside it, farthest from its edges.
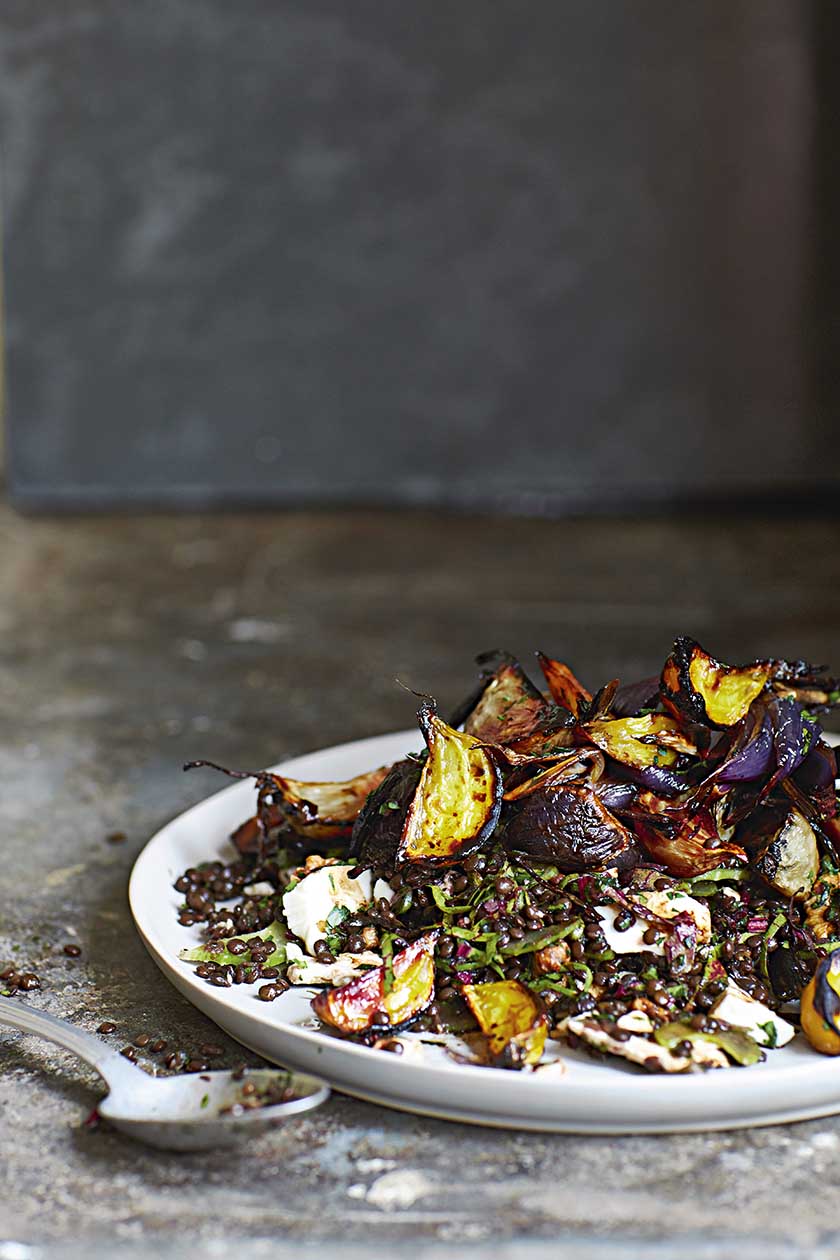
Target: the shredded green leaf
(217, 951)
(738, 1044)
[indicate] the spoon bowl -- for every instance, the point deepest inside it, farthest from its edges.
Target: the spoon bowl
(193, 1112)
(201, 1112)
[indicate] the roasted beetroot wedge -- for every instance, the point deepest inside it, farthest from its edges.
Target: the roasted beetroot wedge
(458, 799)
(706, 691)
(511, 1019)
(654, 739)
(377, 830)
(386, 997)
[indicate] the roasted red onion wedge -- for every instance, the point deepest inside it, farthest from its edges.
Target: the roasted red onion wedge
(322, 811)
(548, 743)
(510, 707)
(816, 777)
(583, 762)
(568, 825)
(315, 811)
(679, 844)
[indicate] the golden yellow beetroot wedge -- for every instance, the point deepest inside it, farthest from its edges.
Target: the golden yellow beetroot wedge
(511, 1019)
(707, 691)
(458, 799)
(820, 1006)
(653, 739)
(389, 996)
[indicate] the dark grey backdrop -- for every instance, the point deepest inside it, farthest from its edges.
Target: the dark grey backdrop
(534, 255)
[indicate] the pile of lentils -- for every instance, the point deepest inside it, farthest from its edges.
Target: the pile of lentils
(215, 897)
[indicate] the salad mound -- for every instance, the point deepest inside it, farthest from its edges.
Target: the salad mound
(650, 871)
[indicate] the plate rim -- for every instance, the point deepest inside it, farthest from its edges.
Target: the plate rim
(657, 1091)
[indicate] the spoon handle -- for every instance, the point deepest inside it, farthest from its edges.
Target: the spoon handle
(17, 1014)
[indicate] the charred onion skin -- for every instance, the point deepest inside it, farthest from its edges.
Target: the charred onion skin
(569, 826)
(369, 1003)
(565, 688)
(820, 1006)
(458, 800)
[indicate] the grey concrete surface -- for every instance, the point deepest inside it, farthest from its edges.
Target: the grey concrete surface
(128, 645)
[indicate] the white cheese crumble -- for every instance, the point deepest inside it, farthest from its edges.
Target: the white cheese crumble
(664, 904)
(305, 970)
(638, 1049)
(308, 905)
(739, 1009)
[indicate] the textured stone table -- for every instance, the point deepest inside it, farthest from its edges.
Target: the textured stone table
(129, 645)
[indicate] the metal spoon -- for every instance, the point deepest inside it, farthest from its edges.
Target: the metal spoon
(176, 1113)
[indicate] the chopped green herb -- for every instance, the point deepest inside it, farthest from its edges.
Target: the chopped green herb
(772, 1034)
(386, 949)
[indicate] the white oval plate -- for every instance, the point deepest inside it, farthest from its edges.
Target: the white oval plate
(589, 1097)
